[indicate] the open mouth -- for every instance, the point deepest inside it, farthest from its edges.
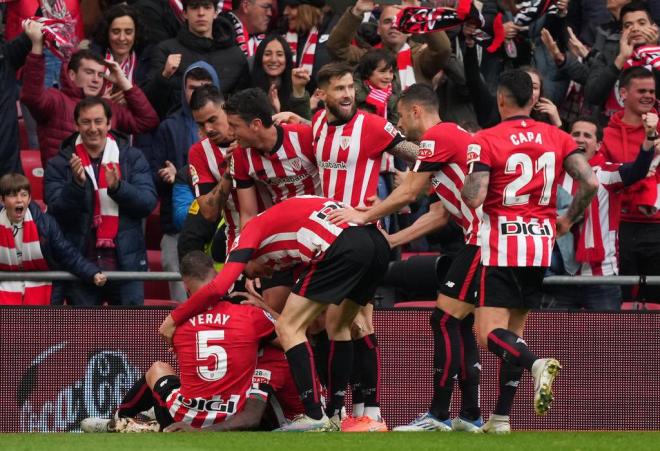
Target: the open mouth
(19, 210)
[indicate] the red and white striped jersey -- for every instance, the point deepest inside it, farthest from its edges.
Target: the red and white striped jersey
(294, 231)
(599, 231)
(217, 354)
(208, 163)
(349, 155)
(525, 159)
(443, 152)
(289, 170)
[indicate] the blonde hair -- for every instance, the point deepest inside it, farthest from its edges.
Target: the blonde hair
(308, 17)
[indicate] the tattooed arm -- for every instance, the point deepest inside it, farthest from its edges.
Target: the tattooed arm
(475, 188)
(212, 204)
(405, 150)
(577, 167)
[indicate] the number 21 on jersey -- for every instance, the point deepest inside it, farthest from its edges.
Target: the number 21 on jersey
(528, 168)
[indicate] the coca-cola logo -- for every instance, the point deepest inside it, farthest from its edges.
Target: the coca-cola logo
(107, 376)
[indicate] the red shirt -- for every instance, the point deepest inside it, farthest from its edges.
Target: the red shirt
(349, 155)
(525, 159)
(443, 151)
(288, 170)
(217, 354)
(208, 163)
(294, 231)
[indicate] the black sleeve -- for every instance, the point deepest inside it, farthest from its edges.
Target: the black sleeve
(636, 170)
(240, 256)
(428, 166)
(478, 166)
(396, 140)
(205, 188)
(16, 50)
(241, 184)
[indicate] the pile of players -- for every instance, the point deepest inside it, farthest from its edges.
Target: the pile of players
(324, 253)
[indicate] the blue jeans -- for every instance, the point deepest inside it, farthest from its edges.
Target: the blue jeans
(587, 297)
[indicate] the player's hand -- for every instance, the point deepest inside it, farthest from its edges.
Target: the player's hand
(344, 215)
(171, 65)
(251, 299)
(363, 6)
(563, 225)
(287, 117)
(253, 286)
(100, 279)
(112, 175)
(167, 328)
(650, 121)
(78, 170)
(180, 427)
(168, 172)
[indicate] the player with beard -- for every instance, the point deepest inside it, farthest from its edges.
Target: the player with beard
(514, 170)
(349, 146)
(210, 161)
(441, 161)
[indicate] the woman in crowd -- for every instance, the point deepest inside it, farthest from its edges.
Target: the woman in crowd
(274, 73)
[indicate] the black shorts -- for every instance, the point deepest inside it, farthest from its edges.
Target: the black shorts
(351, 268)
(511, 287)
(165, 386)
(464, 276)
(278, 279)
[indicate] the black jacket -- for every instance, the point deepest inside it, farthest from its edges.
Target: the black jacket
(158, 19)
(221, 52)
(12, 57)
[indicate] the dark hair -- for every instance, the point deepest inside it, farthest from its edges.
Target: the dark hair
(89, 102)
(102, 34)
(205, 94)
(196, 265)
(421, 94)
(259, 77)
(590, 120)
(518, 86)
(332, 70)
(632, 73)
(193, 3)
(250, 104)
(534, 70)
(370, 60)
(199, 74)
(13, 183)
(235, 4)
(634, 6)
(76, 59)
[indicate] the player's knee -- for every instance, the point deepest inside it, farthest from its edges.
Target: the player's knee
(157, 370)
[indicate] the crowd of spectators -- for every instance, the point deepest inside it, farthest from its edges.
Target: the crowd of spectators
(111, 94)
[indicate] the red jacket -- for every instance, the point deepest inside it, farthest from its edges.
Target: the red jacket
(621, 144)
(53, 108)
(17, 12)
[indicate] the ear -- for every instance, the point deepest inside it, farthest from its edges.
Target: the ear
(322, 94)
(72, 74)
(623, 92)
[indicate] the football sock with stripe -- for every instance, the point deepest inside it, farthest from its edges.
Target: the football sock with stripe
(303, 369)
(511, 348)
(340, 361)
(357, 396)
(509, 378)
(446, 360)
(369, 361)
(138, 399)
(470, 371)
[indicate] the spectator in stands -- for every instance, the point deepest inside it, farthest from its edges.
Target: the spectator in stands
(638, 30)
(12, 58)
(274, 73)
(175, 135)
(375, 90)
(250, 19)
(160, 19)
(53, 108)
(639, 234)
(120, 37)
(201, 39)
(100, 189)
(307, 26)
(415, 62)
(591, 248)
(32, 241)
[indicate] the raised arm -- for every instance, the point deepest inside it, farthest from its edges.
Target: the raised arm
(577, 167)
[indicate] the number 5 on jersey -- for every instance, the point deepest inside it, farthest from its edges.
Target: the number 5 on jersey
(206, 350)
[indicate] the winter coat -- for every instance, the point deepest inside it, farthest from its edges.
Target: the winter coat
(12, 57)
(73, 207)
(53, 108)
(221, 52)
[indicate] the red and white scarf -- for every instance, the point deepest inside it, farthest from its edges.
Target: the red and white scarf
(527, 12)
(19, 292)
(405, 65)
(420, 20)
(177, 8)
(647, 56)
(246, 42)
(128, 66)
(106, 210)
(378, 98)
(309, 50)
(58, 36)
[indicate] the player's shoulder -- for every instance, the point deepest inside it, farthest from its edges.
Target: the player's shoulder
(197, 148)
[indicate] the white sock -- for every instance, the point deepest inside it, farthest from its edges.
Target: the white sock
(373, 413)
(358, 410)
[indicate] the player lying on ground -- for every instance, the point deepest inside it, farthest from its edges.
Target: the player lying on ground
(342, 268)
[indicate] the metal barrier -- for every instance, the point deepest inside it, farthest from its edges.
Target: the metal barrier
(175, 276)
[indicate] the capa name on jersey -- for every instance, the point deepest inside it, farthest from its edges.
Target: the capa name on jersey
(526, 137)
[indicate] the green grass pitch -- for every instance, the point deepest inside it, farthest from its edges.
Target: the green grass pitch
(255, 441)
